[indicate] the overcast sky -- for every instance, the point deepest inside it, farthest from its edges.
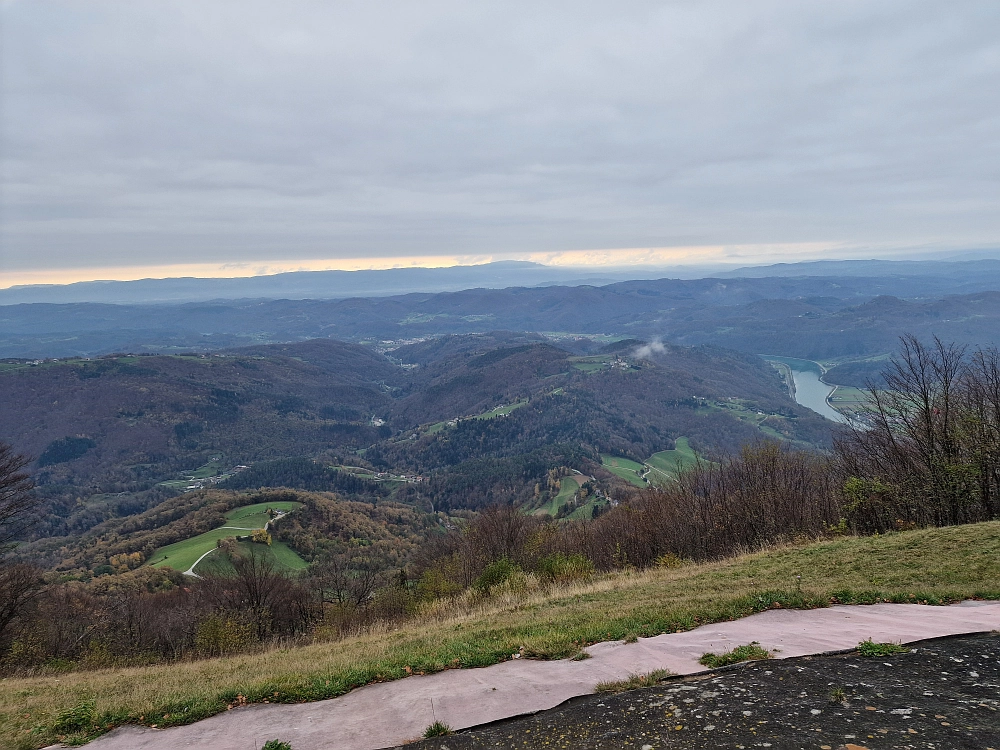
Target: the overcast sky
(186, 134)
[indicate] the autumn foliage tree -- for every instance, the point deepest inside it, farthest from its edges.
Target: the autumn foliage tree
(18, 582)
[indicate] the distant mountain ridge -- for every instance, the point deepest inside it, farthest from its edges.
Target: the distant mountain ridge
(298, 285)
(957, 269)
(806, 316)
(313, 284)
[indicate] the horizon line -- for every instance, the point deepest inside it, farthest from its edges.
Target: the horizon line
(594, 260)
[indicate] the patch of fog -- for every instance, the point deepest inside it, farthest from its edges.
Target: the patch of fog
(646, 352)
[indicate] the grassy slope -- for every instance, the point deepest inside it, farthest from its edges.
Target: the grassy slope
(935, 565)
(568, 487)
(624, 468)
(280, 553)
(668, 464)
(665, 465)
(500, 411)
(182, 555)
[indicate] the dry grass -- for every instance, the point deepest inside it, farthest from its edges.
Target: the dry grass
(933, 566)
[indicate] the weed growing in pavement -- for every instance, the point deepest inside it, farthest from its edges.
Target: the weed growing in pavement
(276, 745)
(749, 652)
(870, 649)
(634, 681)
(437, 729)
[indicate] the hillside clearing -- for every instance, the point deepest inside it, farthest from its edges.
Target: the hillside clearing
(239, 522)
(568, 487)
(932, 565)
(625, 468)
(666, 465)
(658, 469)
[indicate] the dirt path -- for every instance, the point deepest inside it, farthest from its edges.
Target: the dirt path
(387, 714)
(190, 571)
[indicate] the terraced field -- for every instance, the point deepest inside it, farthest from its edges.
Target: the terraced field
(187, 555)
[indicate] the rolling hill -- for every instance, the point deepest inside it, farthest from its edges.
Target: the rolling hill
(455, 422)
(802, 316)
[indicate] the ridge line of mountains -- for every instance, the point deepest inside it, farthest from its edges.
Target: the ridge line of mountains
(812, 317)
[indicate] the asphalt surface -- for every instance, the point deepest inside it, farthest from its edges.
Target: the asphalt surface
(944, 694)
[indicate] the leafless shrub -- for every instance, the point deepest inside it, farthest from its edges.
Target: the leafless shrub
(927, 451)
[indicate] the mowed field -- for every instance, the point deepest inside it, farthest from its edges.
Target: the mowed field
(567, 488)
(625, 468)
(666, 465)
(663, 466)
(239, 522)
(848, 400)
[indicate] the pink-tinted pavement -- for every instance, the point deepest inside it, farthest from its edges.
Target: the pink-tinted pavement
(387, 714)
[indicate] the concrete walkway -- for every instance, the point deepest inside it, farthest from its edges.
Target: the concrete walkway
(387, 714)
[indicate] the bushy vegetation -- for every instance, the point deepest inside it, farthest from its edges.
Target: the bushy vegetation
(437, 729)
(928, 453)
(135, 614)
(768, 494)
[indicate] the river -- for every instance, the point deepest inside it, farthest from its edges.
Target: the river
(810, 390)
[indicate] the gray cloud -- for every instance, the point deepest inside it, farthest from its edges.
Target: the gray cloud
(149, 132)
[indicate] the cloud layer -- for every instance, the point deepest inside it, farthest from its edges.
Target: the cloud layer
(149, 133)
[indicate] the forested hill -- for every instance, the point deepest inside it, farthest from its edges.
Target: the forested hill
(811, 317)
(116, 435)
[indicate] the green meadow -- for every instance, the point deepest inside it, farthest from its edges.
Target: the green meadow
(666, 465)
(625, 468)
(663, 466)
(239, 522)
(568, 487)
